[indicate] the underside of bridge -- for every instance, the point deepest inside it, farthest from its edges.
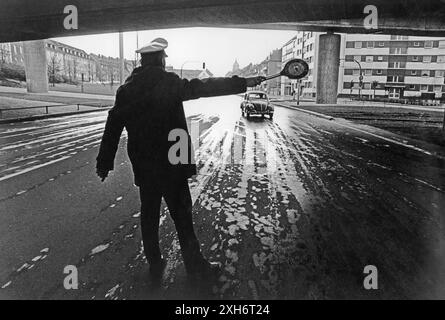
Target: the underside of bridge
(22, 20)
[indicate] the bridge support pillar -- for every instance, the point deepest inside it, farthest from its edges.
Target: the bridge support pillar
(327, 68)
(36, 66)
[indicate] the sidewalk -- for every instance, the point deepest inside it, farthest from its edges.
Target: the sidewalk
(359, 104)
(21, 91)
(66, 103)
(420, 123)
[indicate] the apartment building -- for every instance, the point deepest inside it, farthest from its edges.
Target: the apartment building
(303, 46)
(393, 66)
(11, 52)
(385, 65)
(70, 62)
(269, 66)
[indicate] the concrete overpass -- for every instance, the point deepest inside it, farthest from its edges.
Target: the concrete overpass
(22, 20)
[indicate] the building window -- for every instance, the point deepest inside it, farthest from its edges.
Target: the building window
(368, 72)
(358, 58)
(417, 44)
(437, 88)
(423, 87)
(412, 86)
(379, 71)
(441, 44)
(394, 79)
(440, 73)
(370, 44)
(440, 59)
(358, 45)
(415, 58)
(369, 59)
(397, 50)
(426, 59)
(355, 72)
(380, 58)
(381, 44)
(395, 65)
(428, 44)
(399, 38)
(425, 73)
(367, 85)
(413, 72)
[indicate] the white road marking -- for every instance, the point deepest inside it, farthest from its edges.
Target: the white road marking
(32, 168)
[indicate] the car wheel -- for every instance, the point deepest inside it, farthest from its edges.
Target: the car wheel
(247, 115)
(262, 116)
(271, 116)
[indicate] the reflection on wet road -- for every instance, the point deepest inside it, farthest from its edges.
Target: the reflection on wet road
(293, 208)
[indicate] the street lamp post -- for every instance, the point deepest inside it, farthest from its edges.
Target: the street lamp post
(360, 80)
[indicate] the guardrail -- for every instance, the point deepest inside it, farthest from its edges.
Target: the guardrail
(46, 107)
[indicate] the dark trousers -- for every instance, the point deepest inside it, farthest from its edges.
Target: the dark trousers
(176, 194)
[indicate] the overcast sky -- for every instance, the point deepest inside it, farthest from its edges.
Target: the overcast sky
(217, 47)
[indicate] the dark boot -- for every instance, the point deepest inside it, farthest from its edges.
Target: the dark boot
(204, 271)
(156, 270)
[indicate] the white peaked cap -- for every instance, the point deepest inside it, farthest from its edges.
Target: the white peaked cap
(156, 45)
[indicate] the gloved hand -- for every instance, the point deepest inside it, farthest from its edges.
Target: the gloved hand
(254, 81)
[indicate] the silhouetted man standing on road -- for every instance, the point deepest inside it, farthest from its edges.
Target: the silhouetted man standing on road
(149, 105)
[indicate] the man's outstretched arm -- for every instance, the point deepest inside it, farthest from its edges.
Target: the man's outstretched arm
(196, 88)
(109, 144)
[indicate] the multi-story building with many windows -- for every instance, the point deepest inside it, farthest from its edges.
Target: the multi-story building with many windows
(395, 66)
(384, 65)
(72, 63)
(303, 46)
(269, 66)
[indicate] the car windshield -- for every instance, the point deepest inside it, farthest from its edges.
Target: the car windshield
(257, 96)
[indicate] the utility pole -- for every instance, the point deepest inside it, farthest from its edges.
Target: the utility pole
(137, 47)
(121, 58)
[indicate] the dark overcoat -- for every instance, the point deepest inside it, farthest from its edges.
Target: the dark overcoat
(149, 105)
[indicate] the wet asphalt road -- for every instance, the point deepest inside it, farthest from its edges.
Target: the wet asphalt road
(293, 208)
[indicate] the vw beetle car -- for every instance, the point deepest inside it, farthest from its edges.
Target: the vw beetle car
(256, 103)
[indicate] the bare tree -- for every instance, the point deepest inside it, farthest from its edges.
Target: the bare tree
(3, 54)
(75, 68)
(53, 68)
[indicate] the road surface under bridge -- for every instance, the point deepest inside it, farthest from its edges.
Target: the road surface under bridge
(293, 208)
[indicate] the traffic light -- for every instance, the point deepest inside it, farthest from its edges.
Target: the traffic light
(203, 65)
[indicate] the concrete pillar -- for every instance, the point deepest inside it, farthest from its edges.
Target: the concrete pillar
(36, 66)
(327, 68)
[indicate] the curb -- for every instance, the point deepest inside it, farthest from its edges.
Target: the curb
(317, 114)
(46, 116)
